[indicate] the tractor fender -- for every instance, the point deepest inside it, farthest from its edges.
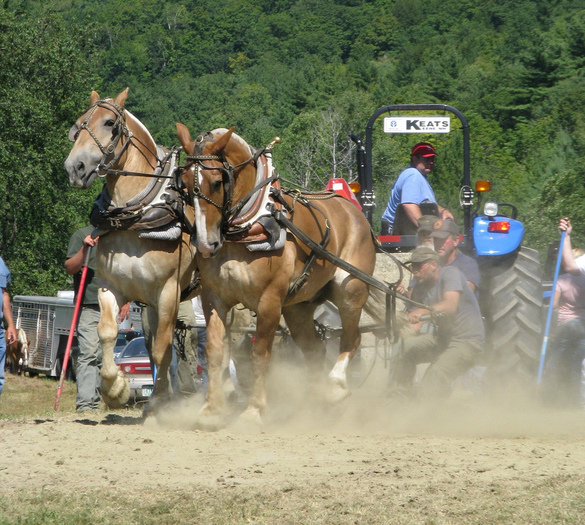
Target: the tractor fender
(496, 243)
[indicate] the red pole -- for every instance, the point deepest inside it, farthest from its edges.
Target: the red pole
(73, 325)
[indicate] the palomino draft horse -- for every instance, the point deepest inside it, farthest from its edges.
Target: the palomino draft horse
(236, 217)
(143, 253)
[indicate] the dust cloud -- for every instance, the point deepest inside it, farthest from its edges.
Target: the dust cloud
(296, 406)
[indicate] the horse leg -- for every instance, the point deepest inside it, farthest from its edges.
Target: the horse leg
(162, 354)
(211, 413)
(161, 325)
(115, 389)
(269, 311)
(299, 319)
(349, 299)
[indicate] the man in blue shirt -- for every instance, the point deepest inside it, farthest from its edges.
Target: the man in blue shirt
(5, 316)
(410, 191)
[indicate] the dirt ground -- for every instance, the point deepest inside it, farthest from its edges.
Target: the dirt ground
(364, 462)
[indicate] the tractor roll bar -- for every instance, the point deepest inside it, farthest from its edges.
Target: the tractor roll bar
(365, 175)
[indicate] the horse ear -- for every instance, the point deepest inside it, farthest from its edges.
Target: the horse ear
(185, 138)
(95, 96)
(121, 98)
(219, 145)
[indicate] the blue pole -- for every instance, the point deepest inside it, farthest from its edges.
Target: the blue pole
(550, 308)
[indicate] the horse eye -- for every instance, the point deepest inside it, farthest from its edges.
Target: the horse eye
(216, 186)
(110, 123)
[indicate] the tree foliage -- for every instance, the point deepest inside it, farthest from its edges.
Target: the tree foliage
(308, 71)
(41, 76)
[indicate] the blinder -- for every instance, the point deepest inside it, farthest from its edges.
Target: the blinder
(73, 133)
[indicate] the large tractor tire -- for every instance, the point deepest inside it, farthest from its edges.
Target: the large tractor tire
(511, 297)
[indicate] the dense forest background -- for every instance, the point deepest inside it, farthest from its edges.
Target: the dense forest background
(309, 71)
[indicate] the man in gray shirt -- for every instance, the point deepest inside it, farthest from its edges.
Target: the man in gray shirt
(457, 342)
(445, 235)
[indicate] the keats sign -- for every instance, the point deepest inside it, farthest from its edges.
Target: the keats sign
(417, 124)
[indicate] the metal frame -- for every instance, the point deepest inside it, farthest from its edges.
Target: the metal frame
(365, 159)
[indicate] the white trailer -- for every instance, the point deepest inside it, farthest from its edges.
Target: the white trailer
(47, 322)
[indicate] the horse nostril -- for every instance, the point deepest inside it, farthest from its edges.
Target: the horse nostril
(215, 247)
(80, 167)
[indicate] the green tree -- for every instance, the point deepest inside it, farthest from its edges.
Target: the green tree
(44, 85)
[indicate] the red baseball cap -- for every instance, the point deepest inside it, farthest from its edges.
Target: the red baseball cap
(423, 149)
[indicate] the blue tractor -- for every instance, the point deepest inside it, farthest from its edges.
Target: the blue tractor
(511, 290)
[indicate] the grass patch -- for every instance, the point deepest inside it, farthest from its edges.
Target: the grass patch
(558, 502)
(24, 397)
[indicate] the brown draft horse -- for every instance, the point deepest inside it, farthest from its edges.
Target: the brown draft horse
(110, 142)
(224, 171)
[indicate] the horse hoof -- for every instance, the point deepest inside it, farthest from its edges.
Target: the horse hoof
(209, 420)
(209, 423)
(336, 393)
(156, 404)
(249, 421)
(148, 411)
(116, 394)
(115, 386)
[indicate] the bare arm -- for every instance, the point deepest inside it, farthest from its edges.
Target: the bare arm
(567, 258)
(124, 312)
(7, 311)
(444, 213)
(556, 299)
(75, 263)
(449, 304)
(412, 211)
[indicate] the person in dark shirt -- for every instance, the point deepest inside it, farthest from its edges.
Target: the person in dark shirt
(89, 362)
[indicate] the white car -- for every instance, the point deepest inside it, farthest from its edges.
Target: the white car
(135, 364)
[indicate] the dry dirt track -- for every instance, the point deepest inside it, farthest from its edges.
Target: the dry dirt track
(463, 464)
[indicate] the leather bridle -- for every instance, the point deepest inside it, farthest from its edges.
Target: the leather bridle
(119, 130)
(228, 171)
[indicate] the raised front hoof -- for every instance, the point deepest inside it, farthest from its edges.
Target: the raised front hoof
(117, 393)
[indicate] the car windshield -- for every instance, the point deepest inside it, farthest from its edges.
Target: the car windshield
(135, 348)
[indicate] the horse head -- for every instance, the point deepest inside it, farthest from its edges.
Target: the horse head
(217, 162)
(107, 139)
(98, 137)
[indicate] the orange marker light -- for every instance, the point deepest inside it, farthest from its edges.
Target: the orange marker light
(355, 187)
(483, 185)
